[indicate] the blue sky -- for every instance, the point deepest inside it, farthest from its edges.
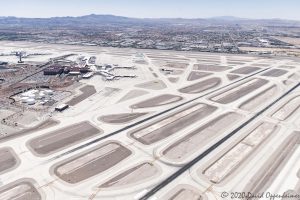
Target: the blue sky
(287, 9)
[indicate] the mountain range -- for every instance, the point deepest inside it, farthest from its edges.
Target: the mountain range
(96, 20)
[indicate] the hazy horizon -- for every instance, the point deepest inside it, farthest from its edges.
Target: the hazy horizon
(155, 17)
(255, 9)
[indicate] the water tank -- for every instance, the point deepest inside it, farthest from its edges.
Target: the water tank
(30, 101)
(31, 96)
(48, 92)
(41, 95)
(24, 99)
(33, 91)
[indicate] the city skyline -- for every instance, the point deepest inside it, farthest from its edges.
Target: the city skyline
(155, 9)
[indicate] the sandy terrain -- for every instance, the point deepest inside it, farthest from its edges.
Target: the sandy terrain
(91, 163)
(87, 91)
(134, 175)
(211, 68)
(44, 125)
(263, 179)
(201, 86)
(231, 160)
(19, 191)
(168, 126)
(290, 40)
(239, 91)
(184, 192)
(173, 79)
(288, 109)
(232, 77)
(194, 75)
(121, 118)
(275, 73)
(198, 138)
(62, 138)
(253, 103)
(158, 101)
(7, 160)
(152, 85)
(245, 70)
(133, 94)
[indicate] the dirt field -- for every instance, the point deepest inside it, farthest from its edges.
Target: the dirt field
(120, 118)
(193, 141)
(289, 40)
(232, 77)
(19, 191)
(231, 160)
(265, 176)
(133, 94)
(158, 101)
(7, 159)
(288, 109)
(176, 65)
(153, 85)
(184, 192)
(47, 124)
(173, 79)
(171, 124)
(211, 68)
(89, 164)
(87, 91)
(239, 91)
(62, 138)
(194, 75)
(245, 70)
(275, 73)
(201, 86)
(253, 103)
(132, 176)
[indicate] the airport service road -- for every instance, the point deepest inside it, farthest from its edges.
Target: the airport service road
(186, 167)
(135, 124)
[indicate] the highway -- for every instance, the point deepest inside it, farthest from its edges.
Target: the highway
(150, 117)
(186, 167)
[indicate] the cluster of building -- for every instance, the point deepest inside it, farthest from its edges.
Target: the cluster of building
(59, 69)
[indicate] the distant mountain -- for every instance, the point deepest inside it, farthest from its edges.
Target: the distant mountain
(228, 18)
(100, 20)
